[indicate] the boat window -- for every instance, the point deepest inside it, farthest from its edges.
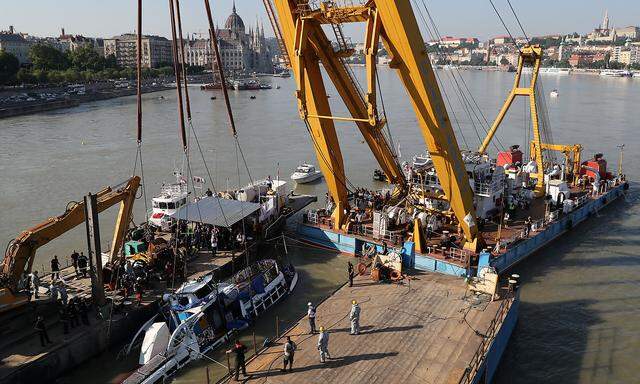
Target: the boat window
(163, 205)
(155, 204)
(183, 201)
(171, 205)
(203, 292)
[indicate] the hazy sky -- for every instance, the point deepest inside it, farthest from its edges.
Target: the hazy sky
(106, 18)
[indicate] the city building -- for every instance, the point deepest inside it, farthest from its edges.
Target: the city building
(156, 50)
(626, 55)
(15, 44)
(583, 59)
(630, 32)
(449, 41)
(604, 33)
(240, 50)
(502, 40)
(73, 42)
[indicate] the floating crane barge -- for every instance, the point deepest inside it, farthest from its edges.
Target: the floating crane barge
(460, 213)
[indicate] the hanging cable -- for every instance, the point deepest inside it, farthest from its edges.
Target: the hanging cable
(504, 25)
(467, 100)
(184, 61)
(518, 20)
(139, 110)
(177, 73)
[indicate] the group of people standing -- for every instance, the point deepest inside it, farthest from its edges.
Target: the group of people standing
(290, 347)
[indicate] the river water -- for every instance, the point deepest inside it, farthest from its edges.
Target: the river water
(579, 320)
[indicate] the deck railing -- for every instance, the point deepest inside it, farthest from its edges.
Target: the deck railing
(487, 339)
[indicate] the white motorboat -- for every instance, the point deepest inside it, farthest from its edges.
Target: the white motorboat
(305, 173)
(554, 93)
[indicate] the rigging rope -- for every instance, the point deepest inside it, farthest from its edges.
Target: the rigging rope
(518, 20)
(505, 25)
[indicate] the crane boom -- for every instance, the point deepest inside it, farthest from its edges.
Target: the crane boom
(393, 22)
(21, 252)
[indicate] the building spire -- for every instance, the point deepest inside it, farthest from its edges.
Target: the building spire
(605, 20)
(234, 7)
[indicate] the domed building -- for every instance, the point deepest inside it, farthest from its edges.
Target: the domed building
(241, 51)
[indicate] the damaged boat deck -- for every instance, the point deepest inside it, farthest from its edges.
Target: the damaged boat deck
(424, 330)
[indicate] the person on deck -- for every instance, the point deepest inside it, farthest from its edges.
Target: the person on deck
(55, 268)
(384, 248)
(351, 273)
(74, 261)
(41, 327)
(311, 314)
(289, 351)
(323, 345)
(34, 284)
(354, 316)
(527, 227)
(83, 263)
(239, 349)
(214, 242)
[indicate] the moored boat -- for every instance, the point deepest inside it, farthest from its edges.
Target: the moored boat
(305, 173)
(202, 314)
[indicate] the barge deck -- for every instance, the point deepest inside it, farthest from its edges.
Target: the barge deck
(426, 329)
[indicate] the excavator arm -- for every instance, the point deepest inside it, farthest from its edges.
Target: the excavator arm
(20, 253)
(392, 21)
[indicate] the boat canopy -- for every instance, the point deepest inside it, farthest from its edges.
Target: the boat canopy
(208, 211)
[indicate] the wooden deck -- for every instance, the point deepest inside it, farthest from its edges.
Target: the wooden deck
(412, 332)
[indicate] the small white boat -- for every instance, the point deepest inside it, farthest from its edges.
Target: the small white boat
(306, 173)
(554, 93)
(615, 73)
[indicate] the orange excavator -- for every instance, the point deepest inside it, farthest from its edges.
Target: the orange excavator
(21, 251)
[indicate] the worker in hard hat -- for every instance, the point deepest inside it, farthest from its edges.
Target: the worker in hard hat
(323, 345)
(311, 314)
(354, 316)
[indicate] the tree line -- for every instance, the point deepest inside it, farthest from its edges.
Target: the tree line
(52, 66)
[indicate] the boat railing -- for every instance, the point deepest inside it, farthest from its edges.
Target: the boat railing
(392, 236)
(479, 356)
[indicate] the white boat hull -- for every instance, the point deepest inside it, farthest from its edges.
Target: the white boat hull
(308, 178)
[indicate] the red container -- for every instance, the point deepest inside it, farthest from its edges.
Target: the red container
(509, 157)
(600, 164)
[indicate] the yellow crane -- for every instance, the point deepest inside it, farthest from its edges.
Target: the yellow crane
(393, 22)
(572, 154)
(530, 56)
(21, 252)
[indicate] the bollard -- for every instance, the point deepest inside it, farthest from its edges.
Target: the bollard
(208, 379)
(277, 328)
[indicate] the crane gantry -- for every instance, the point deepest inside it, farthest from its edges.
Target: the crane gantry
(393, 22)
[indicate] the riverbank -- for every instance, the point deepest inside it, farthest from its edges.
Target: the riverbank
(71, 100)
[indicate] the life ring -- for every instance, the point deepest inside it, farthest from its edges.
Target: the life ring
(395, 275)
(362, 269)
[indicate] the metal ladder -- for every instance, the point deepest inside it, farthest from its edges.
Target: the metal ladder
(276, 30)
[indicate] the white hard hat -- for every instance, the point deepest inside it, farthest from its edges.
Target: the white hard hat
(309, 304)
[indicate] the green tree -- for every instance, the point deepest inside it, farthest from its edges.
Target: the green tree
(86, 58)
(25, 76)
(47, 57)
(9, 66)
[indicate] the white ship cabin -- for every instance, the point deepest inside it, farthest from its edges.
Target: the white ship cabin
(487, 182)
(171, 198)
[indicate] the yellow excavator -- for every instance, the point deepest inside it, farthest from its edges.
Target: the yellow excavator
(20, 253)
(298, 25)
